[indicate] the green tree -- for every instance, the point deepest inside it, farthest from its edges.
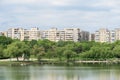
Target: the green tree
(2, 51)
(26, 52)
(40, 55)
(5, 40)
(38, 52)
(51, 53)
(17, 49)
(98, 53)
(59, 52)
(46, 44)
(69, 54)
(116, 51)
(32, 43)
(78, 48)
(60, 43)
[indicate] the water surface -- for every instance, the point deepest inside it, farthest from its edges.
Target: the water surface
(52, 72)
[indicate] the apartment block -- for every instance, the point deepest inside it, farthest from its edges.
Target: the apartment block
(117, 33)
(60, 35)
(68, 34)
(102, 35)
(105, 35)
(72, 34)
(23, 34)
(113, 36)
(53, 34)
(34, 34)
(50, 34)
(14, 33)
(45, 34)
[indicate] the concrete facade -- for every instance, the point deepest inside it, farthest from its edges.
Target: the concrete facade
(53, 34)
(105, 35)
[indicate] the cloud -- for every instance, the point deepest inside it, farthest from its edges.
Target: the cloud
(17, 1)
(62, 13)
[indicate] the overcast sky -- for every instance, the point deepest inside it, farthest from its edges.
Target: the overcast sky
(88, 15)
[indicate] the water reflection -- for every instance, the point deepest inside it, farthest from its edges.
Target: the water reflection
(59, 73)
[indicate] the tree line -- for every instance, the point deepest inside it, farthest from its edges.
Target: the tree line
(61, 50)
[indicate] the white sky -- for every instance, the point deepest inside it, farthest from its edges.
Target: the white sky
(88, 15)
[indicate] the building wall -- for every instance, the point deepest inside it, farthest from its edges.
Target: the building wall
(102, 35)
(92, 37)
(112, 36)
(45, 34)
(117, 33)
(52, 34)
(23, 34)
(67, 34)
(105, 35)
(34, 34)
(60, 35)
(84, 36)
(72, 34)
(14, 33)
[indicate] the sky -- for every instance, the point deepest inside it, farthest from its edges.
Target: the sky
(89, 15)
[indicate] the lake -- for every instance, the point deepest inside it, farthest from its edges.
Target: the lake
(65, 72)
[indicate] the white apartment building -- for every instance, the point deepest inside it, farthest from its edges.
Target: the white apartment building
(53, 34)
(34, 34)
(60, 35)
(50, 34)
(102, 35)
(72, 34)
(23, 34)
(105, 35)
(14, 33)
(26, 35)
(45, 34)
(117, 33)
(67, 34)
(113, 37)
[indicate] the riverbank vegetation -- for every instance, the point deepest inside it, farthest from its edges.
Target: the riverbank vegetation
(58, 51)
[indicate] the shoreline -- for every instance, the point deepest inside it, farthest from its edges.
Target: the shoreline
(24, 63)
